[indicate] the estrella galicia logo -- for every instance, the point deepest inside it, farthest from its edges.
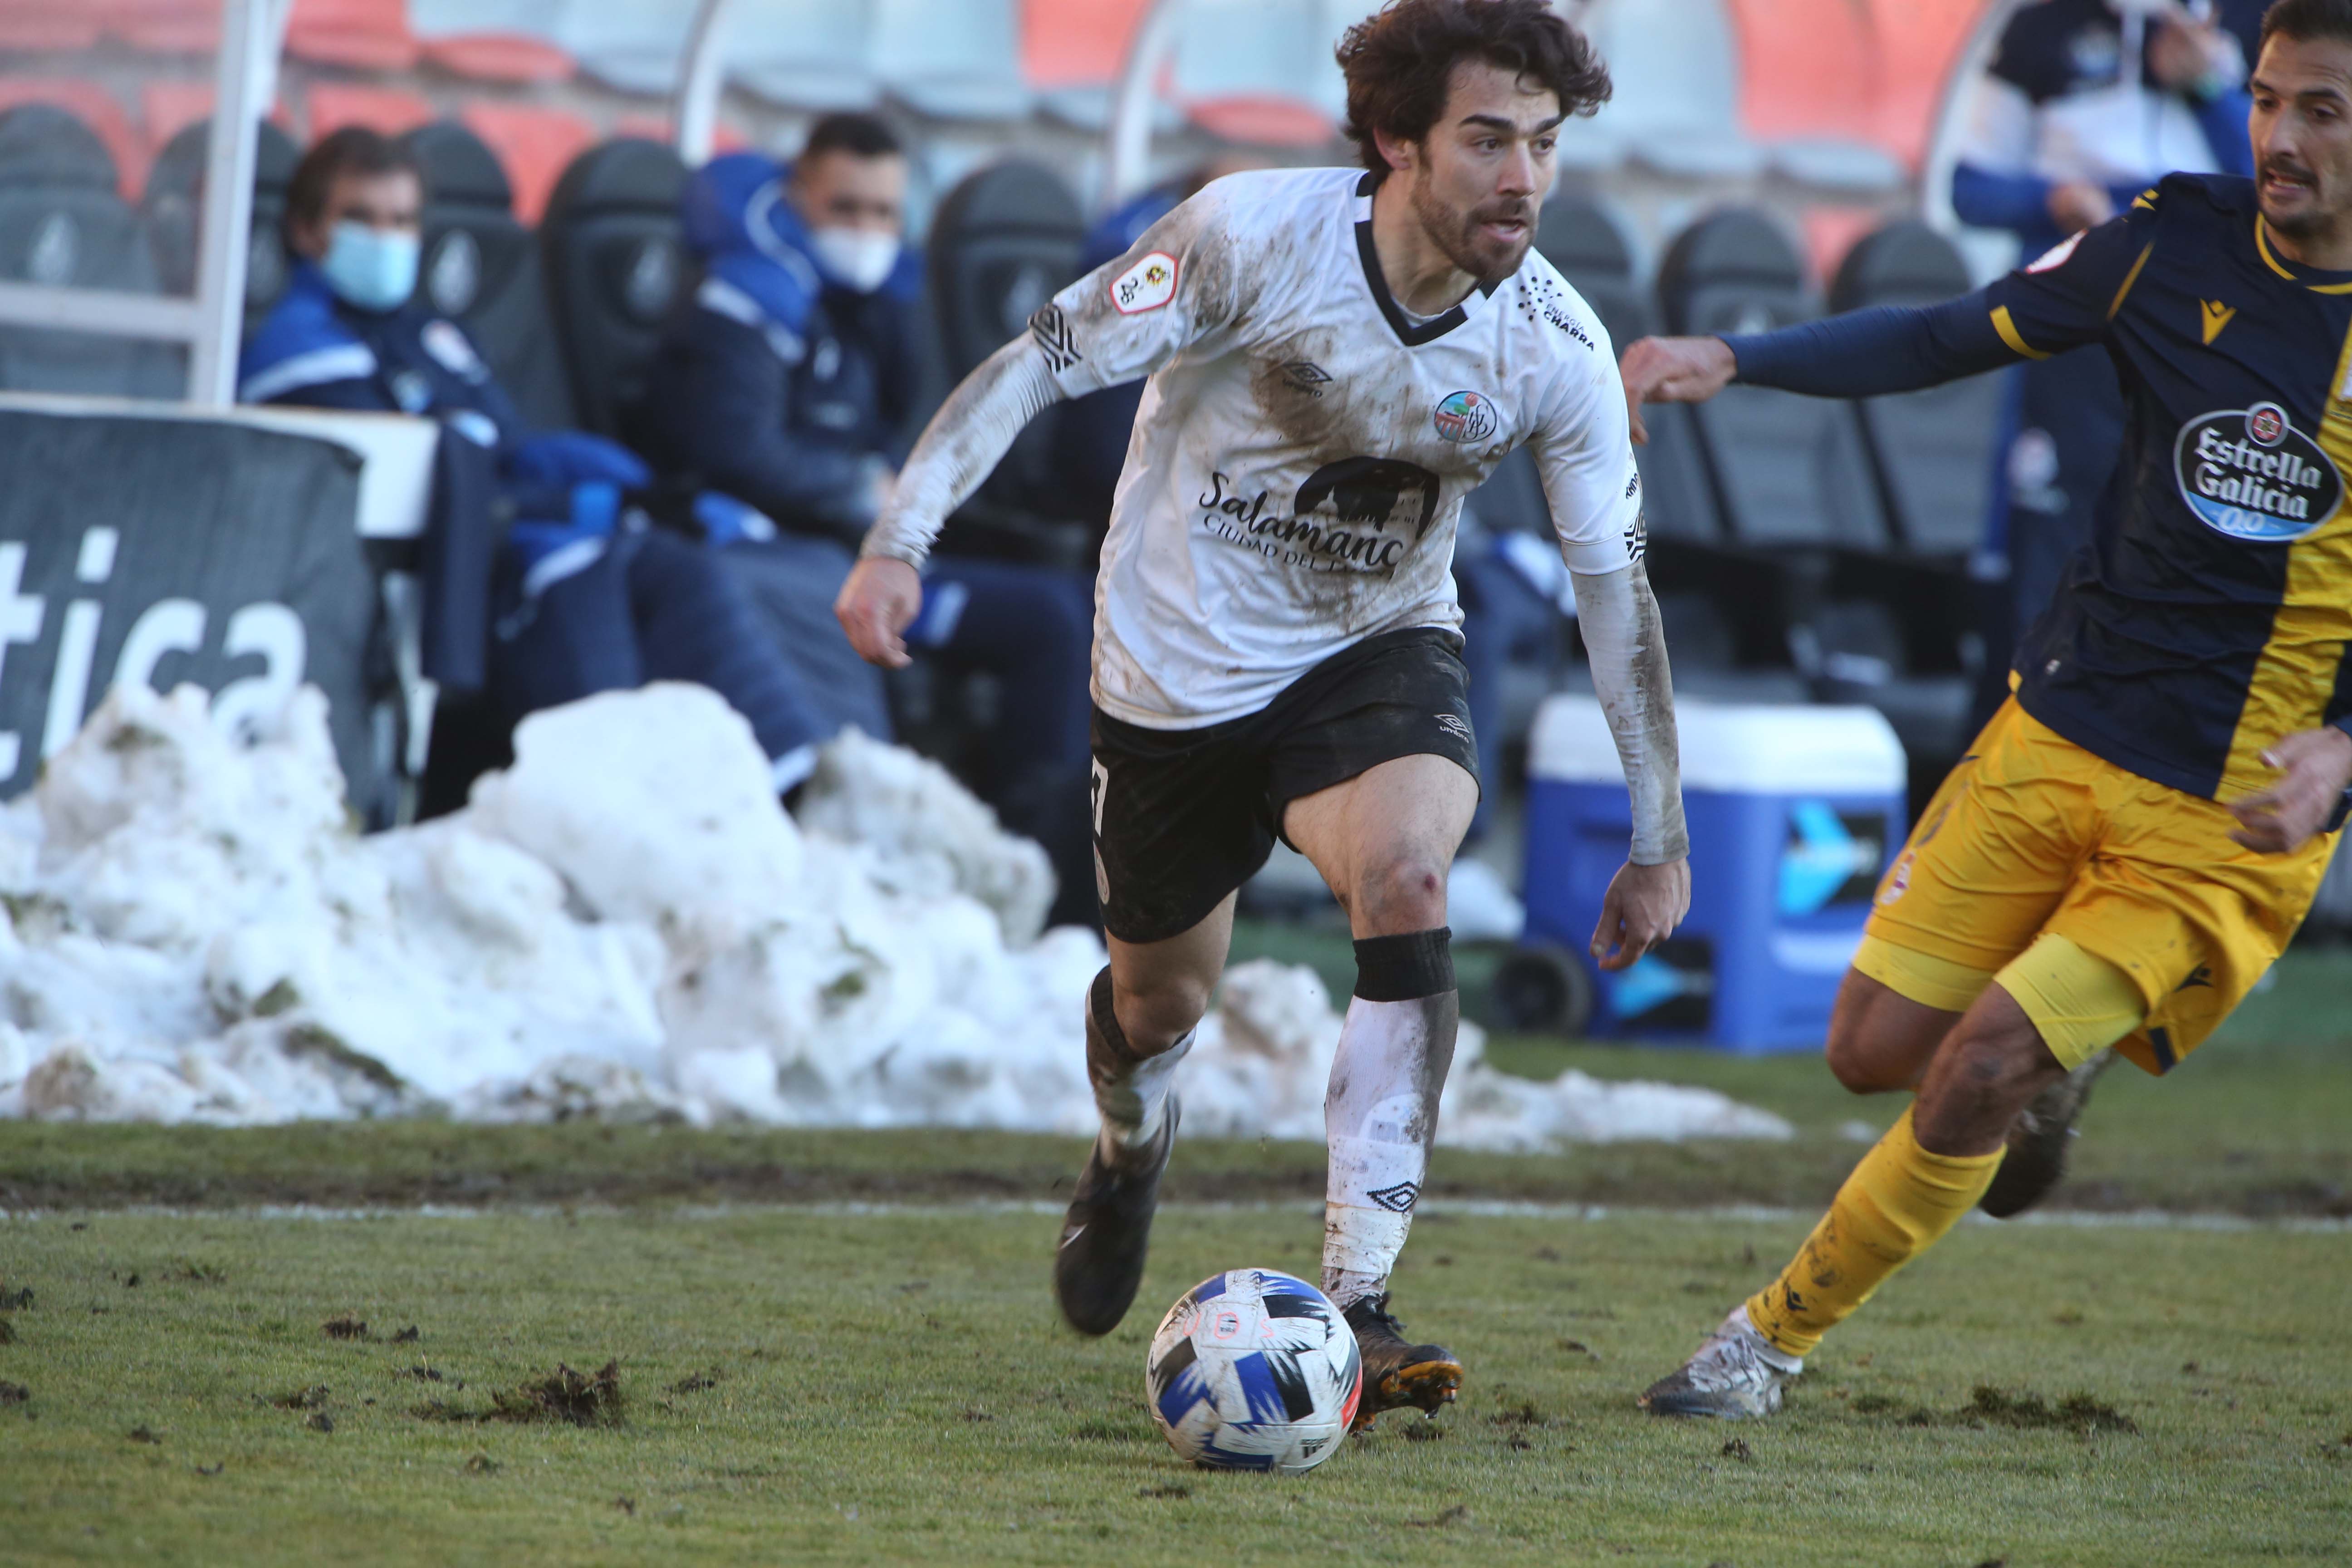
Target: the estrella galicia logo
(2251, 474)
(1465, 416)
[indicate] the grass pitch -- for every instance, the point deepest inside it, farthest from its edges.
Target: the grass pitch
(829, 1386)
(839, 1347)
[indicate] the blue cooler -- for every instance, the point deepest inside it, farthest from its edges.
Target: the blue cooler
(1794, 812)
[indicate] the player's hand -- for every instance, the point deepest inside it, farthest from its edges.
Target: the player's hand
(2194, 57)
(2079, 205)
(1641, 909)
(876, 607)
(2318, 766)
(1672, 370)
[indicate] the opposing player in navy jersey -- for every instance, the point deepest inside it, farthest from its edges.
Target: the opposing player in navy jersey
(1337, 357)
(2134, 838)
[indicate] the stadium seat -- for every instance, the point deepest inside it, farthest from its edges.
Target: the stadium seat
(1077, 43)
(1784, 469)
(162, 27)
(1584, 241)
(335, 104)
(98, 114)
(1002, 243)
(64, 224)
(637, 46)
(46, 25)
(533, 146)
(1930, 451)
(363, 34)
(490, 40)
(815, 55)
(1249, 71)
(951, 59)
(172, 207)
(481, 269)
(614, 267)
(1676, 67)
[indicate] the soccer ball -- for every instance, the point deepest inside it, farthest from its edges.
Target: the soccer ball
(1253, 1370)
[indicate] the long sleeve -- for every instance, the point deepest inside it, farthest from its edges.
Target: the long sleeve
(2222, 118)
(1992, 198)
(1627, 643)
(2060, 301)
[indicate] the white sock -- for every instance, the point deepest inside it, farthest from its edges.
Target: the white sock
(1380, 1115)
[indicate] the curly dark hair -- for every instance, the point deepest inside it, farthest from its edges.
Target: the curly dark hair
(1400, 62)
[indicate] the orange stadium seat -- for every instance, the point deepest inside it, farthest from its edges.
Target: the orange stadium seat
(1077, 43)
(1888, 60)
(162, 27)
(500, 57)
(1263, 120)
(365, 35)
(96, 110)
(335, 104)
(46, 25)
(533, 146)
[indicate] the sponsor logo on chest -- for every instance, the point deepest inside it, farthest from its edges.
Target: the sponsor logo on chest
(2250, 474)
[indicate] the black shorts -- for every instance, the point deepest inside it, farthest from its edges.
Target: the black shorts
(1182, 817)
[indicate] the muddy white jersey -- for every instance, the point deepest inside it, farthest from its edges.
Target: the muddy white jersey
(1298, 463)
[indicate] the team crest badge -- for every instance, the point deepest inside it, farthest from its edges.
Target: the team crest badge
(1465, 416)
(1146, 286)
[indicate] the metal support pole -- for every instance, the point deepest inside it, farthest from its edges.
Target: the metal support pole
(694, 112)
(1128, 166)
(243, 76)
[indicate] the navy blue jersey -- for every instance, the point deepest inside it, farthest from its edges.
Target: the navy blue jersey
(2210, 614)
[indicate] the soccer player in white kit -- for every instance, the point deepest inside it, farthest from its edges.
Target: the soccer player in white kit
(1338, 357)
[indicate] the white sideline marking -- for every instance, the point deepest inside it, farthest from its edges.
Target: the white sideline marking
(1483, 1208)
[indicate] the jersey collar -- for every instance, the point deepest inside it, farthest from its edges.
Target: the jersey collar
(2293, 272)
(1413, 334)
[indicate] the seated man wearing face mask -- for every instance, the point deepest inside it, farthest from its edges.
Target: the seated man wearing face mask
(547, 579)
(790, 383)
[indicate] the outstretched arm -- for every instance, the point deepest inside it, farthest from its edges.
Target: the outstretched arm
(2060, 301)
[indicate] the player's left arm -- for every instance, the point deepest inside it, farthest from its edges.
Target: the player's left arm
(2315, 766)
(1595, 497)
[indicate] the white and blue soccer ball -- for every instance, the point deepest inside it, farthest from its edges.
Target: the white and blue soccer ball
(1253, 1370)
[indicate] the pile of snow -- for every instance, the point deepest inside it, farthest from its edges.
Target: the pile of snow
(622, 924)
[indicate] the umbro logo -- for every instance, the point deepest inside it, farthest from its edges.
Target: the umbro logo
(2216, 316)
(1051, 328)
(1637, 537)
(1454, 724)
(1307, 377)
(1398, 1199)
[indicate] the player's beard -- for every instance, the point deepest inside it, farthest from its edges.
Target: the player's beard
(2315, 218)
(1455, 231)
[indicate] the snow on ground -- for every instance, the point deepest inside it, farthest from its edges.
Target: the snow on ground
(625, 924)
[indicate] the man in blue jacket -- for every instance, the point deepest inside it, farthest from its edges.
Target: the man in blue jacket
(791, 383)
(584, 592)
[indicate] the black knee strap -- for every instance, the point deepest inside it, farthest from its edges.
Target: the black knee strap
(1405, 968)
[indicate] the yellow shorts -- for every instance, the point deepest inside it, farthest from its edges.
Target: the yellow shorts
(2032, 834)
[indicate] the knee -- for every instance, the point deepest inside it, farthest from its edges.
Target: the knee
(1853, 1062)
(1994, 1066)
(1405, 893)
(1155, 1014)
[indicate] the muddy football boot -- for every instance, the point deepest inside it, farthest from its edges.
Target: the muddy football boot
(1397, 1374)
(2039, 1141)
(1734, 1376)
(1107, 1231)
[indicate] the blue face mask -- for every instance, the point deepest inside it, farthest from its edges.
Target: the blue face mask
(373, 269)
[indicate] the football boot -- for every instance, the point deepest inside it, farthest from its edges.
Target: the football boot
(1397, 1374)
(1736, 1374)
(2039, 1141)
(1107, 1231)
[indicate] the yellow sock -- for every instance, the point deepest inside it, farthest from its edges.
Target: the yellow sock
(1897, 1203)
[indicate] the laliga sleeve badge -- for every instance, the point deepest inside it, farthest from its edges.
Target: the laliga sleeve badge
(1146, 286)
(448, 345)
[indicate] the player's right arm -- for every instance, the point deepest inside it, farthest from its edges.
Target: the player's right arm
(1595, 498)
(1119, 323)
(2062, 301)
